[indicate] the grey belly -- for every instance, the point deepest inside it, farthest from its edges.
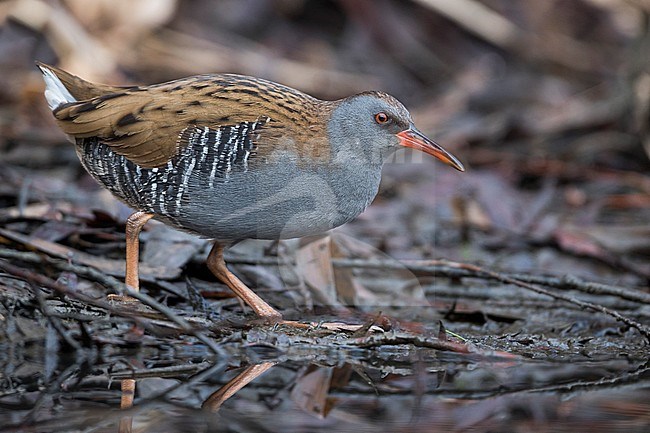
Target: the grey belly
(277, 200)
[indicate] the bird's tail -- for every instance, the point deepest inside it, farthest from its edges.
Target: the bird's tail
(62, 87)
(56, 93)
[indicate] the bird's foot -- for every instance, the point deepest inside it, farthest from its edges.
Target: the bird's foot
(275, 319)
(329, 326)
(120, 299)
(346, 327)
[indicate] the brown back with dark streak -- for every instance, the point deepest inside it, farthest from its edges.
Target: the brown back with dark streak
(145, 124)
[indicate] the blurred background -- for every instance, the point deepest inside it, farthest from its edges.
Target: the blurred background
(547, 103)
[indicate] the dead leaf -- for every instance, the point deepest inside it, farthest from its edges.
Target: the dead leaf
(614, 238)
(311, 390)
(313, 262)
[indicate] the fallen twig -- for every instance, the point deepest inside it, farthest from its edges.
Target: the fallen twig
(444, 268)
(644, 330)
(147, 300)
(89, 272)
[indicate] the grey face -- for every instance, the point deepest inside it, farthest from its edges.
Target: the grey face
(364, 127)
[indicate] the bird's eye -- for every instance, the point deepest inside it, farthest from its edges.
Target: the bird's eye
(381, 118)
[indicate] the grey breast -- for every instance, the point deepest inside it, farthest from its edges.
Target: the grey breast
(213, 189)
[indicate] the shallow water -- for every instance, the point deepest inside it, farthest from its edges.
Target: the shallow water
(295, 387)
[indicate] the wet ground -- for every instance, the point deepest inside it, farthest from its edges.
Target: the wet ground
(557, 378)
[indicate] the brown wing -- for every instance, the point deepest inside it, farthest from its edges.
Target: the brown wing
(145, 124)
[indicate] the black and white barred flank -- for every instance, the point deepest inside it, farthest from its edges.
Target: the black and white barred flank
(207, 154)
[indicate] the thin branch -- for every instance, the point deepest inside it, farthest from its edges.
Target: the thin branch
(89, 272)
(644, 330)
(443, 268)
(147, 300)
(54, 321)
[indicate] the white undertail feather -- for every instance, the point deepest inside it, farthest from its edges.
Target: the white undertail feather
(55, 92)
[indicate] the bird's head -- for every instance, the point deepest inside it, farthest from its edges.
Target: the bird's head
(378, 124)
